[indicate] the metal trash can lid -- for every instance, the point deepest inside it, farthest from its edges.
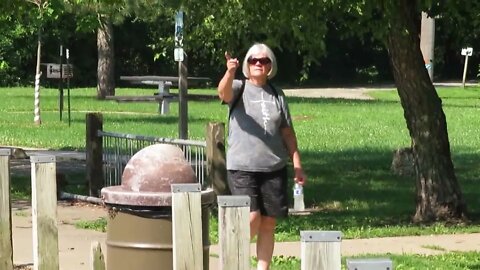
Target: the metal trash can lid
(148, 175)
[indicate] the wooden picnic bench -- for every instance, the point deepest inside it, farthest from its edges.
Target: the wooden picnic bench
(163, 96)
(157, 98)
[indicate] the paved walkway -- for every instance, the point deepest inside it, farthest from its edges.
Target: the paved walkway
(75, 244)
(359, 92)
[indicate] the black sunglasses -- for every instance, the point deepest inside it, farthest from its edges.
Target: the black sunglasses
(262, 61)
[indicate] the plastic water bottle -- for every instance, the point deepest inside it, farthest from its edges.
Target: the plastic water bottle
(298, 203)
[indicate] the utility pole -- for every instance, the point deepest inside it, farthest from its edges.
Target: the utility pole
(181, 58)
(427, 42)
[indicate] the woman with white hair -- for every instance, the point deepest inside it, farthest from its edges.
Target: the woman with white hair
(261, 138)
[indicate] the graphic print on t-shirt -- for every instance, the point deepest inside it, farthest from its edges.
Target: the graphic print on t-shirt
(265, 112)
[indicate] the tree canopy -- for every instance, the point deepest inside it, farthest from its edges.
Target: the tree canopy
(323, 42)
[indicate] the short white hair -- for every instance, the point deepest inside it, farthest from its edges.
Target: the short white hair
(260, 48)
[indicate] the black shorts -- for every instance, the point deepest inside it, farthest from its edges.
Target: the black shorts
(267, 190)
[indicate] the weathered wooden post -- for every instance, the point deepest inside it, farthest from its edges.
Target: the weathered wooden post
(187, 227)
(94, 162)
(44, 213)
(370, 264)
(234, 232)
(97, 259)
(183, 99)
(6, 247)
(181, 57)
(320, 250)
(216, 160)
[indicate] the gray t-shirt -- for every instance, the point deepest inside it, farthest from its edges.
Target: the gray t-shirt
(255, 142)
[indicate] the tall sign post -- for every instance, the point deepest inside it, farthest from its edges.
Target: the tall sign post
(61, 71)
(60, 84)
(427, 42)
(181, 58)
(467, 52)
(68, 75)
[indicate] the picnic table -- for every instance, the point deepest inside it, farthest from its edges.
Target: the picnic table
(163, 96)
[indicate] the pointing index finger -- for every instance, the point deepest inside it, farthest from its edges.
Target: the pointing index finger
(227, 55)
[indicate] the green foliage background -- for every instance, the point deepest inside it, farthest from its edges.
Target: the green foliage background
(316, 42)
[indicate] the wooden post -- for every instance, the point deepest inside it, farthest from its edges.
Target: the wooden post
(96, 257)
(369, 264)
(234, 232)
(182, 99)
(44, 213)
(187, 227)
(216, 161)
(320, 250)
(164, 92)
(6, 246)
(94, 163)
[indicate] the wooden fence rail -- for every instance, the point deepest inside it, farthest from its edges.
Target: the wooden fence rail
(97, 153)
(6, 247)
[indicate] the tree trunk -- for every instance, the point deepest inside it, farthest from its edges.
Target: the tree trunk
(106, 61)
(438, 194)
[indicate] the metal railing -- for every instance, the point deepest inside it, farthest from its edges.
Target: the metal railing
(119, 148)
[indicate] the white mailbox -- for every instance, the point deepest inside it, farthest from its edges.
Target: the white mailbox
(467, 51)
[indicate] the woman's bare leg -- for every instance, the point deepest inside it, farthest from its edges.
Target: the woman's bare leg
(265, 242)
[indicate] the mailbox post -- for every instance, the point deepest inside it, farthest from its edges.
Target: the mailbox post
(467, 52)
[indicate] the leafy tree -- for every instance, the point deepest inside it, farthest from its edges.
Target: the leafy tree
(439, 196)
(397, 24)
(299, 24)
(12, 50)
(42, 6)
(102, 16)
(212, 27)
(45, 11)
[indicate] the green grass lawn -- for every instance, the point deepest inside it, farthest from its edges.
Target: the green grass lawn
(347, 148)
(448, 261)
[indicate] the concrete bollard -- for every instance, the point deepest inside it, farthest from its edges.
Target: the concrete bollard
(369, 264)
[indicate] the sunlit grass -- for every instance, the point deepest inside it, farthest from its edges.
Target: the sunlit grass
(347, 148)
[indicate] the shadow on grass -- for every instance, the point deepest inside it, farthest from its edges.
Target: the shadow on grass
(356, 189)
(352, 191)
